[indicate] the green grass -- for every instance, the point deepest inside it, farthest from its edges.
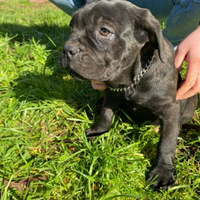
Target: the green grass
(44, 114)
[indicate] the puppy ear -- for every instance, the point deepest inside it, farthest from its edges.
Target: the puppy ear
(147, 22)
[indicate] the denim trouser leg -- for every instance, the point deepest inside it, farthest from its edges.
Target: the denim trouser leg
(181, 16)
(68, 6)
(183, 19)
(159, 8)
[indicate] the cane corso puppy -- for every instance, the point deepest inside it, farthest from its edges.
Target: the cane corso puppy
(122, 45)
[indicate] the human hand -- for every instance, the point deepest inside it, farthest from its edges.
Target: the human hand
(97, 85)
(189, 50)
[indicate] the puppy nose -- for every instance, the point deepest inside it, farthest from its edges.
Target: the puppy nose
(70, 51)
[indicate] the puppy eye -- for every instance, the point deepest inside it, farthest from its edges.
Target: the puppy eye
(105, 32)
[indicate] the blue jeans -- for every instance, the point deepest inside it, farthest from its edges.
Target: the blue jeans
(181, 17)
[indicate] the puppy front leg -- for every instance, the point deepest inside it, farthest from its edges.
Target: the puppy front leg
(163, 172)
(110, 104)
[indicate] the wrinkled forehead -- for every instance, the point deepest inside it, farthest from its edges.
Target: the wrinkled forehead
(109, 11)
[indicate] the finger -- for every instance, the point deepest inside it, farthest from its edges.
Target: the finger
(180, 55)
(194, 90)
(186, 90)
(191, 84)
(97, 85)
(190, 79)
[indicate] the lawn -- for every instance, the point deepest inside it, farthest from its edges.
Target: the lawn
(44, 153)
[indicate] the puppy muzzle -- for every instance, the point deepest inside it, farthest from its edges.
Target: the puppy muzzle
(70, 52)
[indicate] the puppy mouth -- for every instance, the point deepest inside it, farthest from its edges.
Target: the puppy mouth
(64, 63)
(75, 75)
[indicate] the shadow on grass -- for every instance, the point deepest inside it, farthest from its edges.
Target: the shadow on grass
(32, 86)
(52, 36)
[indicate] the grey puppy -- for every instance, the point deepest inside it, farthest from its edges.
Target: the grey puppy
(122, 45)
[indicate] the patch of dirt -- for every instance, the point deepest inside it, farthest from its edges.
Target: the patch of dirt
(34, 1)
(23, 184)
(38, 1)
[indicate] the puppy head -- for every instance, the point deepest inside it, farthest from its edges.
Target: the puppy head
(106, 37)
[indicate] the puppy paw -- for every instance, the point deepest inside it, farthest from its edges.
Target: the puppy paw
(162, 177)
(91, 132)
